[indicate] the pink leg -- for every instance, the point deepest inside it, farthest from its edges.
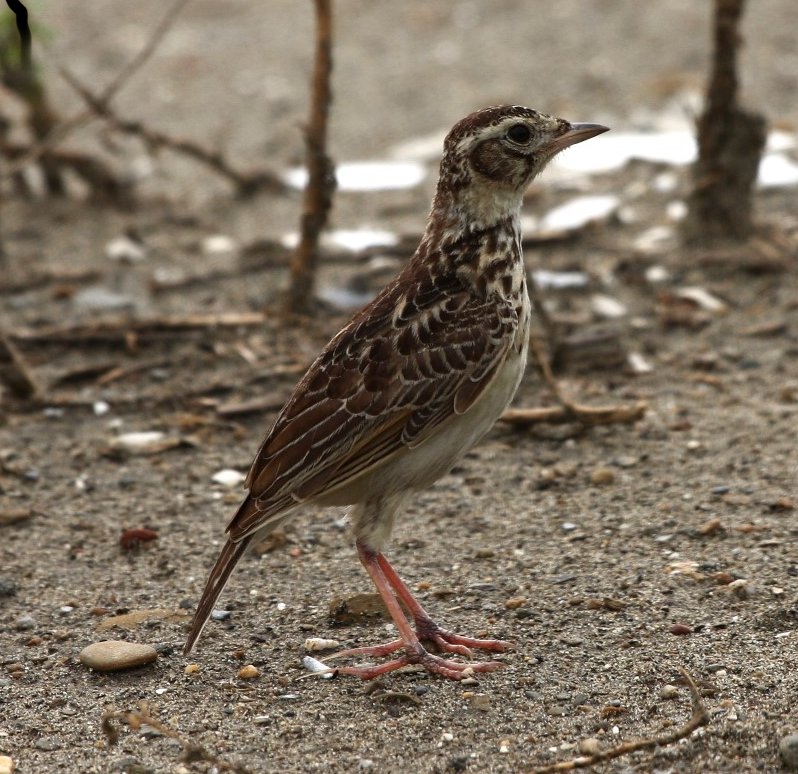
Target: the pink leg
(415, 653)
(426, 628)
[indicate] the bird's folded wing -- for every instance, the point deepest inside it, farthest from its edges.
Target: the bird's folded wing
(383, 384)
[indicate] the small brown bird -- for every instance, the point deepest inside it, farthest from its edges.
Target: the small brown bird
(413, 380)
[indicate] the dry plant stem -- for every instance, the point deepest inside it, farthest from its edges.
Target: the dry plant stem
(245, 183)
(138, 718)
(60, 130)
(730, 143)
(586, 415)
(105, 330)
(699, 717)
(14, 372)
(321, 174)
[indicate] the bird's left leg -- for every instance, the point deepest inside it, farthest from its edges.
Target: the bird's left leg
(426, 628)
(414, 651)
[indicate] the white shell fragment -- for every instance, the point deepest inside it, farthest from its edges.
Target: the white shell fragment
(138, 441)
(219, 244)
(316, 666)
(607, 307)
(615, 149)
(348, 239)
(315, 644)
(578, 212)
(366, 175)
(638, 364)
(777, 170)
(228, 477)
(702, 298)
(560, 280)
(124, 248)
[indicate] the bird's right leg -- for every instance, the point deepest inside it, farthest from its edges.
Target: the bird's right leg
(415, 653)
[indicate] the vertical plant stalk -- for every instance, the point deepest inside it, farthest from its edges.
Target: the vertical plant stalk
(730, 143)
(320, 187)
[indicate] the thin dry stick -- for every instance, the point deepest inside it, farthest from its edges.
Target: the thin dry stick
(246, 183)
(321, 174)
(585, 415)
(14, 371)
(62, 129)
(699, 717)
(114, 329)
(141, 717)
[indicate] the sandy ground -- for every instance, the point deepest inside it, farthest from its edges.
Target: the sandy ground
(583, 548)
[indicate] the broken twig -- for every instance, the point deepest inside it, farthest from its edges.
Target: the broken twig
(136, 719)
(569, 412)
(699, 717)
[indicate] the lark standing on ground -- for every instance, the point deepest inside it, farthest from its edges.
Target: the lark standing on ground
(414, 379)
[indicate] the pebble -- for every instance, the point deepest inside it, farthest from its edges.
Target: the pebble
(589, 746)
(788, 750)
(668, 691)
(248, 672)
(513, 603)
(112, 655)
(8, 588)
(48, 743)
(24, 623)
(100, 299)
(6, 764)
(602, 476)
(220, 615)
(680, 629)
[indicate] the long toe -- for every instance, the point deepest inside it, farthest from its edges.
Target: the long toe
(455, 643)
(372, 651)
(453, 670)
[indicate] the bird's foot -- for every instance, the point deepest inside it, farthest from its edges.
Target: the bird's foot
(418, 655)
(428, 631)
(449, 642)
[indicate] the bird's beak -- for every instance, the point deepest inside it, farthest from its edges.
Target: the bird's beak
(572, 134)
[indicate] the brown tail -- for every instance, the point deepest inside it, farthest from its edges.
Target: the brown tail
(228, 558)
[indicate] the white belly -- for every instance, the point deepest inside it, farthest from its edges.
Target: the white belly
(418, 468)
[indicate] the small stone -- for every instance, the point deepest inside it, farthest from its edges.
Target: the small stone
(680, 629)
(112, 655)
(248, 672)
(481, 702)
(7, 587)
(589, 746)
(668, 692)
(191, 669)
(48, 743)
(514, 602)
(220, 615)
(24, 623)
(6, 764)
(788, 750)
(602, 476)
(365, 763)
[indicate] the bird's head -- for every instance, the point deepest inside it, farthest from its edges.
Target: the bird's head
(491, 156)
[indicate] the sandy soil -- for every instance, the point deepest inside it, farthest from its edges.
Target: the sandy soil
(583, 548)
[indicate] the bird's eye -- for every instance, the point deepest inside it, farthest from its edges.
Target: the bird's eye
(519, 133)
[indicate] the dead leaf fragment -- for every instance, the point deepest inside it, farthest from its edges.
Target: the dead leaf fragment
(135, 618)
